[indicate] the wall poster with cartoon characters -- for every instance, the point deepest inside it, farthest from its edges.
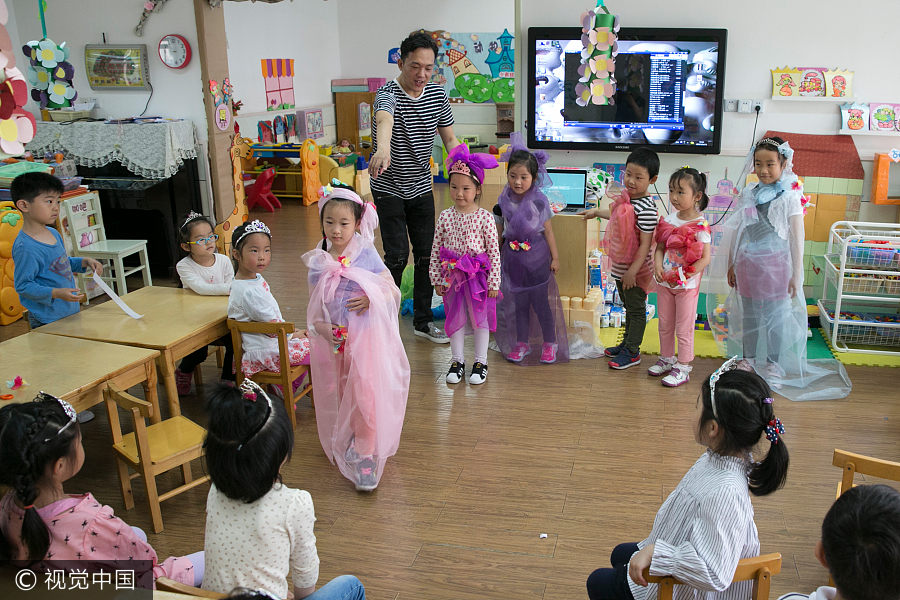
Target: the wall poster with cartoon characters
(475, 67)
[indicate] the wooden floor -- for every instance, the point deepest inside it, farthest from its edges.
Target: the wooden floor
(581, 453)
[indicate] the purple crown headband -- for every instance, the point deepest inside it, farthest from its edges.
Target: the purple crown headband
(459, 160)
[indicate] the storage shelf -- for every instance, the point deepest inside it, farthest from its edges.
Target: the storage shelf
(813, 99)
(869, 132)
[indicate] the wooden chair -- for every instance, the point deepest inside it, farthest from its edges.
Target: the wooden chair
(87, 233)
(152, 450)
(288, 373)
(857, 463)
(759, 570)
(164, 584)
(220, 361)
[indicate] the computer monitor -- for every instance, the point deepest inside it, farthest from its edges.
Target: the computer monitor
(669, 92)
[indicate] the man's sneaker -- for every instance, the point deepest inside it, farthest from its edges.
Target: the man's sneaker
(350, 456)
(676, 377)
(519, 352)
(479, 373)
(457, 372)
(614, 350)
(625, 359)
(433, 333)
(774, 375)
(548, 353)
(365, 475)
(183, 382)
(662, 367)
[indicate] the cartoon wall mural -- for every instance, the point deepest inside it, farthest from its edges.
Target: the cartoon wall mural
(475, 67)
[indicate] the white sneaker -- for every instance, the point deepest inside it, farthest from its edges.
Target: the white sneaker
(433, 333)
(662, 367)
(479, 373)
(457, 372)
(774, 375)
(676, 377)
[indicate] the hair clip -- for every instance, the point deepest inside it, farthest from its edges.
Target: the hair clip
(67, 408)
(768, 400)
(774, 429)
(336, 182)
(728, 365)
(256, 226)
(686, 167)
(251, 391)
(192, 216)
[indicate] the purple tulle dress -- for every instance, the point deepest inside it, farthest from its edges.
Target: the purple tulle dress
(530, 310)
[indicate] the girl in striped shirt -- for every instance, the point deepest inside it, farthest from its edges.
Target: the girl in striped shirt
(706, 525)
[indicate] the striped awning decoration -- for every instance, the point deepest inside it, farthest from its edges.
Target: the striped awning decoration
(277, 67)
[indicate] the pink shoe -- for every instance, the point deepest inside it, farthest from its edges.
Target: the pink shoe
(183, 382)
(548, 353)
(519, 352)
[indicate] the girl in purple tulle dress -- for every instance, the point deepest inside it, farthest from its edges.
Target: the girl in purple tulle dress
(465, 263)
(530, 312)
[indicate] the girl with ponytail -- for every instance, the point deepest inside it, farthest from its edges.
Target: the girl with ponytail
(706, 524)
(40, 448)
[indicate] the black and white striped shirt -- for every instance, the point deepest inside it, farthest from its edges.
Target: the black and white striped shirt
(412, 139)
(702, 530)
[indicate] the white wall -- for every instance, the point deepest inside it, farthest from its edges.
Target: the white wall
(178, 93)
(305, 30)
(369, 28)
(762, 35)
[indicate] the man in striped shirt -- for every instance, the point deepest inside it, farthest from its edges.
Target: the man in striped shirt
(408, 112)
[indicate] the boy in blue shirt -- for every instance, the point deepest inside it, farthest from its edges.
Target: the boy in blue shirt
(43, 270)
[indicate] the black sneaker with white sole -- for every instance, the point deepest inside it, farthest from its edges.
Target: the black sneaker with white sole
(433, 333)
(457, 372)
(479, 373)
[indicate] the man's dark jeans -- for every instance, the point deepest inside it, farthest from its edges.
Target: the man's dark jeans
(404, 221)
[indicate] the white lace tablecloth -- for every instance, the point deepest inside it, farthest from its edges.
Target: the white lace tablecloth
(151, 150)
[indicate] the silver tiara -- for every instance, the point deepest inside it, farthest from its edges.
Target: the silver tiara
(67, 408)
(250, 390)
(256, 226)
(728, 365)
(192, 216)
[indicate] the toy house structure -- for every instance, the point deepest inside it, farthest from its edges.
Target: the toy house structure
(460, 63)
(502, 63)
(832, 175)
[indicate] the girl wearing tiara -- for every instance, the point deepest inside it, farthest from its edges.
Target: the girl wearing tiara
(465, 263)
(361, 373)
(252, 300)
(761, 260)
(530, 309)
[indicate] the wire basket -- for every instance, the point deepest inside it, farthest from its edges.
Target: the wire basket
(864, 256)
(862, 285)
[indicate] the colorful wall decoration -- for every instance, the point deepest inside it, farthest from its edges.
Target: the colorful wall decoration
(475, 67)
(17, 126)
(279, 78)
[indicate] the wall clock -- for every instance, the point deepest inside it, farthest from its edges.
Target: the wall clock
(174, 51)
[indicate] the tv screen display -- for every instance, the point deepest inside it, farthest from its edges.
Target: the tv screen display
(668, 91)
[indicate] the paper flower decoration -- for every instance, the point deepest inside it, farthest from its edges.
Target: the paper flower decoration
(63, 70)
(340, 334)
(16, 131)
(596, 83)
(514, 245)
(16, 383)
(60, 91)
(39, 77)
(344, 261)
(806, 202)
(47, 53)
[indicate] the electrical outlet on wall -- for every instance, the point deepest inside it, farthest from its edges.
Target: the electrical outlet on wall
(731, 105)
(744, 106)
(755, 104)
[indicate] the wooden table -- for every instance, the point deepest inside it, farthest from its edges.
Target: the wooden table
(176, 322)
(75, 370)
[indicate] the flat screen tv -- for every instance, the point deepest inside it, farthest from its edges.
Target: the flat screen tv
(669, 92)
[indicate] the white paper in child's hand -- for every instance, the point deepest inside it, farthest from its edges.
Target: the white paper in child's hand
(106, 289)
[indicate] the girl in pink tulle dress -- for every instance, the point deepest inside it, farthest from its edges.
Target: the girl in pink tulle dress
(252, 300)
(360, 369)
(465, 263)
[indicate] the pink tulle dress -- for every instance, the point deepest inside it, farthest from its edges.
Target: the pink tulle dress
(684, 246)
(360, 385)
(621, 240)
